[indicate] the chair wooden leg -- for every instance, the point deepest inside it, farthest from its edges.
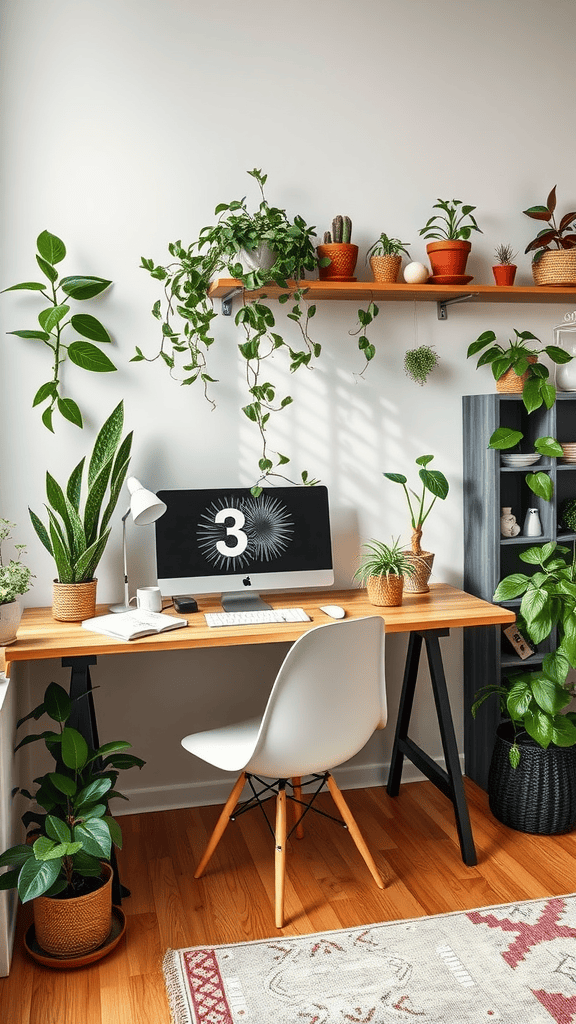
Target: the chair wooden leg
(354, 831)
(298, 812)
(221, 824)
(280, 854)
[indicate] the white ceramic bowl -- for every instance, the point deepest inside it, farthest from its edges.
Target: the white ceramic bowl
(521, 460)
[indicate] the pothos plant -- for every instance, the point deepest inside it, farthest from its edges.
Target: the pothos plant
(539, 482)
(186, 311)
(53, 321)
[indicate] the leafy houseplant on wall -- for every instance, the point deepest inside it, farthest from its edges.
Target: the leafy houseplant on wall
(14, 580)
(434, 485)
(383, 570)
(385, 257)
(63, 868)
(452, 228)
(516, 368)
(76, 538)
(52, 322)
(236, 245)
(532, 782)
(337, 254)
(505, 270)
(554, 248)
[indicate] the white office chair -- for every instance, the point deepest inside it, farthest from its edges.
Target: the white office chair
(328, 698)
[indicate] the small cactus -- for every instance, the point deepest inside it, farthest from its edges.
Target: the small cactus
(346, 230)
(341, 231)
(327, 238)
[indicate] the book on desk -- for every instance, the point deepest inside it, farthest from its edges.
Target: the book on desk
(134, 624)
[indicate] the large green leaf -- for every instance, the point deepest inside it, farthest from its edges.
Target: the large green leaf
(16, 855)
(106, 442)
(47, 269)
(89, 357)
(539, 726)
(57, 829)
(33, 335)
(511, 587)
(68, 408)
(74, 485)
(396, 478)
(36, 877)
(74, 749)
(91, 793)
(94, 835)
(505, 437)
(50, 247)
(60, 550)
(115, 488)
(64, 784)
(94, 501)
(49, 318)
(89, 327)
(548, 695)
(57, 702)
(84, 287)
(31, 286)
(563, 732)
(86, 565)
(41, 531)
(435, 482)
(540, 484)
(115, 831)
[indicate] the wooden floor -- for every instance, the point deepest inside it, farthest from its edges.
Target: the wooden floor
(413, 839)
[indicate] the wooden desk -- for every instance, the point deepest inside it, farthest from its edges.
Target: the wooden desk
(425, 616)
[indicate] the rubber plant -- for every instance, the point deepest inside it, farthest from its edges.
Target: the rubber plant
(53, 321)
(186, 311)
(554, 236)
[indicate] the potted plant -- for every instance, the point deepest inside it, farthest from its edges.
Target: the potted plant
(71, 834)
(383, 570)
(255, 248)
(76, 537)
(452, 228)
(532, 782)
(505, 270)
(14, 580)
(385, 257)
(434, 485)
(419, 363)
(554, 248)
(516, 369)
(337, 255)
(52, 322)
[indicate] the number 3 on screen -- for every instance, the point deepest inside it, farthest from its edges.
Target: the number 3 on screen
(234, 530)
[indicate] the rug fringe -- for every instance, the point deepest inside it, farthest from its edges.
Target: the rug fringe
(174, 979)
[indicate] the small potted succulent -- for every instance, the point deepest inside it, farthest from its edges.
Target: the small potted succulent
(385, 257)
(434, 485)
(451, 228)
(554, 248)
(504, 270)
(516, 369)
(419, 363)
(337, 255)
(14, 580)
(383, 569)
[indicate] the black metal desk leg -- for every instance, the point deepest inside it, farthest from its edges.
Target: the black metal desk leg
(404, 712)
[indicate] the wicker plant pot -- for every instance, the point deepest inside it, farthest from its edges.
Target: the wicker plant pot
(343, 258)
(510, 383)
(73, 927)
(385, 591)
(448, 257)
(538, 796)
(73, 602)
(418, 583)
(386, 268)
(504, 273)
(555, 268)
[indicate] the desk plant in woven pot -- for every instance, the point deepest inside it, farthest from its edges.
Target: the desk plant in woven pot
(14, 580)
(516, 369)
(64, 865)
(385, 257)
(77, 530)
(532, 779)
(434, 485)
(383, 569)
(554, 248)
(451, 229)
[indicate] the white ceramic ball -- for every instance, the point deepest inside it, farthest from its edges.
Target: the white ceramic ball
(415, 273)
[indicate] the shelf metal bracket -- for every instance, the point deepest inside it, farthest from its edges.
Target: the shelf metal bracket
(442, 306)
(227, 301)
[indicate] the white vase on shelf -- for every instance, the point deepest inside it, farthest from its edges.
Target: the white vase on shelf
(532, 524)
(566, 372)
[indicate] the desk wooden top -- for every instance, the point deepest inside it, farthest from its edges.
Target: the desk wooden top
(41, 636)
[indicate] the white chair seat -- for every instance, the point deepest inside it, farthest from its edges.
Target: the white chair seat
(229, 747)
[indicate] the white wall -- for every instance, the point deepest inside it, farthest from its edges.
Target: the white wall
(124, 122)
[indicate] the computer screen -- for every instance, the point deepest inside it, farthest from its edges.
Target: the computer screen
(228, 541)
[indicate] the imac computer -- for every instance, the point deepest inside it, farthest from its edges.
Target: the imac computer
(227, 541)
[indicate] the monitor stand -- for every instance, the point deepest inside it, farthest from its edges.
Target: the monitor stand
(240, 601)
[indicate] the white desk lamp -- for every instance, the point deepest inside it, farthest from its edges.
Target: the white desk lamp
(145, 508)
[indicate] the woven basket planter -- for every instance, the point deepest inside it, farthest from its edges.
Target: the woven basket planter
(73, 602)
(385, 591)
(556, 268)
(539, 796)
(386, 268)
(343, 256)
(510, 383)
(72, 927)
(418, 583)
(448, 257)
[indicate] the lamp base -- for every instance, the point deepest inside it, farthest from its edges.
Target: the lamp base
(120, 608)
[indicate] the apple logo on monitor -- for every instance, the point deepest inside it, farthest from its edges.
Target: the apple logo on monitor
(247, 581)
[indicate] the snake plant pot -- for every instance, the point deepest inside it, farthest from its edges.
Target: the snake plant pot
(342, 256)
(539, 796)
(385, 591)
(556, 268)
(418, 583)
(448, 257)
(73, 602)
(504, 273)
(73, 927)
(10, 615)
(386, 268)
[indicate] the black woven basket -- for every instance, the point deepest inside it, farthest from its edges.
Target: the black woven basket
(539, 795)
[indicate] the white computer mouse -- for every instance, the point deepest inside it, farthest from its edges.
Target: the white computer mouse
(333, 610)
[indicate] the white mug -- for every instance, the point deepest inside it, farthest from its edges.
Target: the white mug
(149, 599)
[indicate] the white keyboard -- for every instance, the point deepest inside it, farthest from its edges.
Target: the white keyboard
(252, 618)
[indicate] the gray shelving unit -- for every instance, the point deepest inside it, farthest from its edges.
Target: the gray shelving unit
(488, 557)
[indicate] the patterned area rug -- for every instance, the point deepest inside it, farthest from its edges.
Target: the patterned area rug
(514, 963)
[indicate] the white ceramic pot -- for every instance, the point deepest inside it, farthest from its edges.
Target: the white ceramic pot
(566, 372)
(10, 615)
(262, 258)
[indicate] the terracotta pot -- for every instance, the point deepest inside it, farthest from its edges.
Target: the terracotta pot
(448, 257)
(510, 383)
(10, 615)
(418, 583)
(385, 591)
(73, 602)
(556, 268)
(386, 268)
(504, 273)
(73, 927)
(343, 258)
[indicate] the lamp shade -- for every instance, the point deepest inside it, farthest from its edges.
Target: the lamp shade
(145, 506)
